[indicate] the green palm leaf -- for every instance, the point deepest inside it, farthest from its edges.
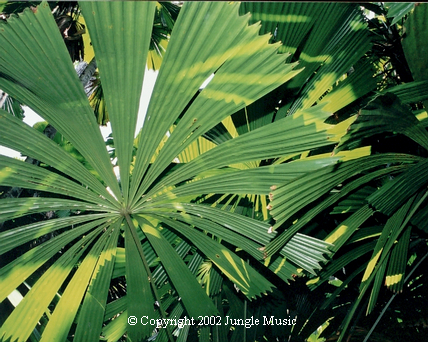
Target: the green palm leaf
(384, 114)
(196, 302)
(394, 226)
(66, 309)
(72, 272)
(91, 315)
(64, 106)
(139, 294)
(113, 42)
(234, 267)
(37, 300)
(12, 238)
(21, 268)
(30, 142)
(301, 192)
(221, 96)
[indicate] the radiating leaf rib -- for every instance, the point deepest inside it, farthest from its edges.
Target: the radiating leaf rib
(305, 256)
(396, 192)
(14, 237)
(354, 201)
(297, 195)
(246, 76)
(304, 251)
(250, 282)
(303, 132)
(31, 308)
(196, 148)
(63, 315)
(197, 48)
(115, 307)
(334, 40)
(244, 89)
(251, 228)
(120, 33)
(11, 208)
(91, 315)
(21, 137)
(69, 111)
(257, 180)
(14, 172)
(246, 227)
(194, 299)
(385, 113)
(411, 92)
(182, 249)
(138, 290)
(253, 116)
(120, 264)
(236, 239)
(17, 271)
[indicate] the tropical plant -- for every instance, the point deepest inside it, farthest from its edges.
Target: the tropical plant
(67, 17)
(373, 215)
(317, 207)
(145, 227)
(187, 229)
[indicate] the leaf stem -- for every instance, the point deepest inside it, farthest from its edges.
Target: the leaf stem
(132, 228)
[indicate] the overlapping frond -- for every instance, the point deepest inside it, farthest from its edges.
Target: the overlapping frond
(236, 117)
(91, 239)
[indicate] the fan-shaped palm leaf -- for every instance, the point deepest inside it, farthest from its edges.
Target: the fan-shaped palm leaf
(126, 227)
